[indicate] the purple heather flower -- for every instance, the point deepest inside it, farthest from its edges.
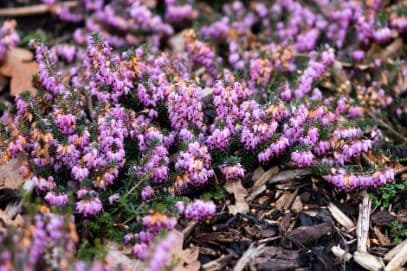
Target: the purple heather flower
(161, 258)
(200, 210)
(180, 207)
(302, 158)
(147, 193)
(382, 35)
(232, 171)
(56, 199)
(114, 198)
(89, 207)
(358, 55)
(140, 250)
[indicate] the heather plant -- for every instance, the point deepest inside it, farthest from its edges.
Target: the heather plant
(129, 141)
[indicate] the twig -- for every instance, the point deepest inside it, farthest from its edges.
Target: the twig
(189, 228)
(32, 10)
(388, 127)
(248, 256)
(133, 188)
(362, 230)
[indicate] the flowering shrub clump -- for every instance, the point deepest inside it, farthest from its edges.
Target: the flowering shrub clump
(123, 138)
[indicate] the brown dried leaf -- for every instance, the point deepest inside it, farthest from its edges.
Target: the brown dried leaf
(20, 67)
(120, 256)
(186, 259)
(9, 175)
(236, 188)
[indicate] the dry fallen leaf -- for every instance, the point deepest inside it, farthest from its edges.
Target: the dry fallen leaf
(117, 255)
(6, 220)
(9, 175)
(19, 66)
(186, 259)
(236, 188)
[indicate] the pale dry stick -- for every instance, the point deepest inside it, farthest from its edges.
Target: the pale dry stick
(368, 261)
(340, 217)
(392, 253)
(249, 256)
(398, 260)
(32, 10)
(362, 230)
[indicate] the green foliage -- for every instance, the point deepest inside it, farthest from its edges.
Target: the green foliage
(88, 252)
(385, 195)
(41, 36)
(383, 18)
(321, 169)
(398, 232)
(104, 227)
(219, 193)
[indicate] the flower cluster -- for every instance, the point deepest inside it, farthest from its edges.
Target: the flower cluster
(8, 37)
(194, 166)
(198, 210)
(348, 181)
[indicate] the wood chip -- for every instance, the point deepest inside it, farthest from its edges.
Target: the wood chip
(288, 175)
(398, 260)
(297, 204)
(277, 258)
(341, 254)
(217, 264)
(286, 200)
(392, 253)
(383, 240)
(270, 177)
(308, 234)
(340, 217)
(368, 261)
(250, 254)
